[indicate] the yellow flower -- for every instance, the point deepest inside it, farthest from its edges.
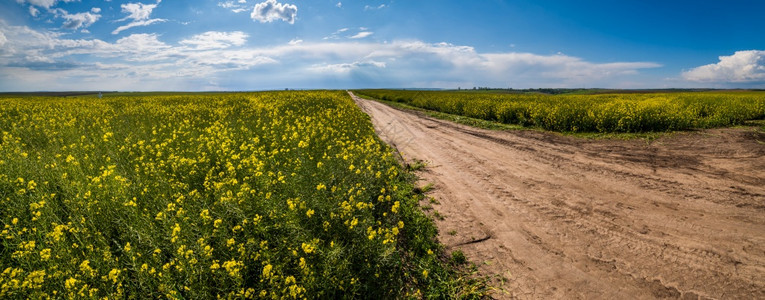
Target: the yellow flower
(267, 270)
(45, 254)
(205, 215)
(86, 269)
(70, 283)
(308, 248)
(29, 245)
(395, 207)
(309, 213)
(176, 231)
(232, 267)
(113, 274)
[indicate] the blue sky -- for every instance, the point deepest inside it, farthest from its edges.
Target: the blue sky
(277, 44)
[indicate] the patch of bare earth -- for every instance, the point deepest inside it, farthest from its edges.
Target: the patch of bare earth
(560, 217)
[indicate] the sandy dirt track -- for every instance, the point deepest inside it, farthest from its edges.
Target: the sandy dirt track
(561, 217)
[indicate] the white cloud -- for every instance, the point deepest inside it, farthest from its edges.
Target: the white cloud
(30, 58)
(339, 4)
(227, 4)
(78, 20)
(136, 24)
(335, 35)
(137, 11)
(361, 35)
(741, 67)
(140, 15)
(345, 68)
(381, 6)
(141, 43)
(216, 40)
(235, 7)
(43, 3)
(33, 11)
(95, 10)
(270, 11)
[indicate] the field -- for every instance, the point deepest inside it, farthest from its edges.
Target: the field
(605, 113)
(259, 195)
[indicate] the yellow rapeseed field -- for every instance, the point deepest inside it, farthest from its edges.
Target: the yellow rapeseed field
(606, 113)
(256, 195)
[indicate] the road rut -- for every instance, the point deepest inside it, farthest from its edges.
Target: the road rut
(562, 217)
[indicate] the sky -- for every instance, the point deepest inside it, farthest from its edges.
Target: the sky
(242, 45)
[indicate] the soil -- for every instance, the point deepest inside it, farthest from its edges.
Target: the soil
(553, 216)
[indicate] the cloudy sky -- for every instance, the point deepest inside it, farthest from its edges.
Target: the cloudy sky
(277, 44)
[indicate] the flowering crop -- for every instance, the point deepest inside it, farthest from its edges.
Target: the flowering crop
(261, 195)
(650, 112)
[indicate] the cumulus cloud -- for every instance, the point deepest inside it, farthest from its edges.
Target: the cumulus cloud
(137, 61)
(339, 5)
(137, 11)
(78, 20)
(33, 11)
(139, 14)
(361, 35)
(295, 41)
(134, 62)
(741, 67)
(270, 11)
(216, 40)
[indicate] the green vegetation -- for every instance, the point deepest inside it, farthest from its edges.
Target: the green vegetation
(606, 113)
(250, 195)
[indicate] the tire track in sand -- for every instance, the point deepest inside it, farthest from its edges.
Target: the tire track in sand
(561, 217)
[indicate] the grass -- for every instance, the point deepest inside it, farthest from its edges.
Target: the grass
(198, 196)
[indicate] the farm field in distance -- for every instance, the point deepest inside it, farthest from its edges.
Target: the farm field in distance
(246, 195)
(603, 113)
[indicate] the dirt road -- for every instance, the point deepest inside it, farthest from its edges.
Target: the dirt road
(560, 217)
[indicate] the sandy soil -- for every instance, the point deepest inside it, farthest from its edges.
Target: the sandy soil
(561, 217)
